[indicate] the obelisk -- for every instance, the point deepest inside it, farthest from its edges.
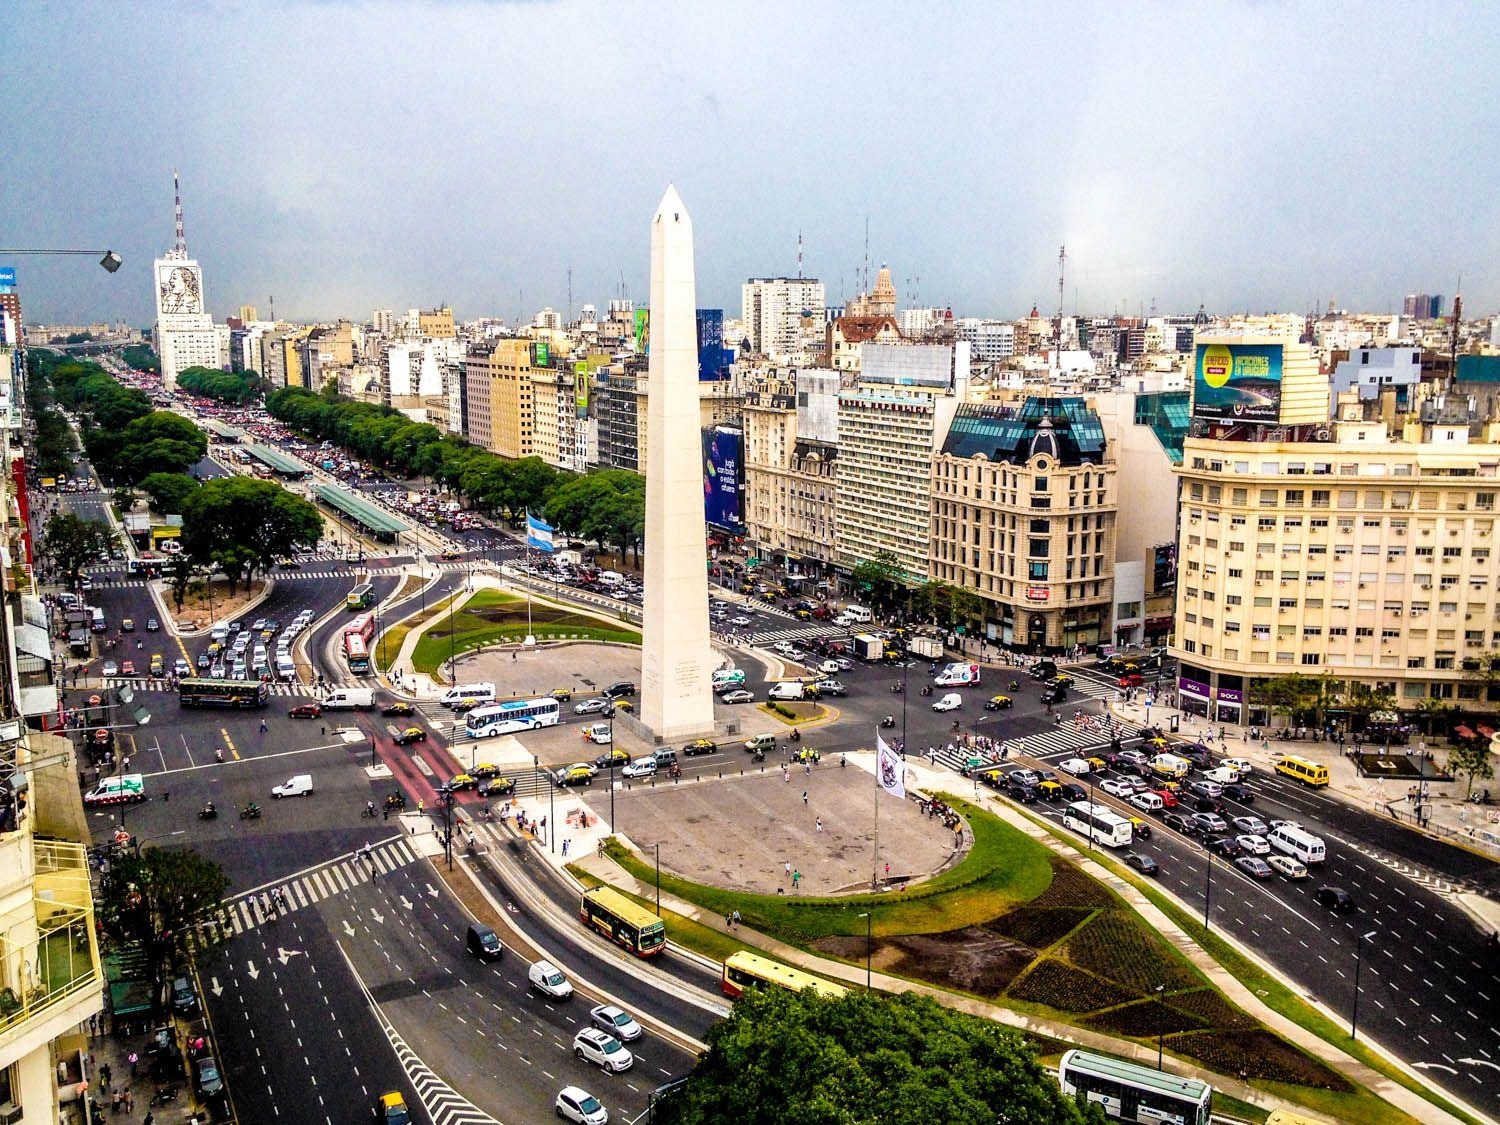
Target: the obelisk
(676, 656)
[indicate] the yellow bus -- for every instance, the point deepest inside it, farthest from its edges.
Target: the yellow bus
(744, 970)
(622, 921)
(1309, 773)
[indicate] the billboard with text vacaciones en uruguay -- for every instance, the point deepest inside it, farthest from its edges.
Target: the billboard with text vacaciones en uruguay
(1237, 382)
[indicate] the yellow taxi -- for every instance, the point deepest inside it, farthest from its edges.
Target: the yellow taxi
(1062, 679)
(461, 781)
(390, 1109)
(998, 702)
(1049, 790)
(1097, 765)
(158, 664)
(482, 770)
(625, 705)
(563, 694)
(580, 774)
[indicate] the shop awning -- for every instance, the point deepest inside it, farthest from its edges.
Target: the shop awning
(1463, 732)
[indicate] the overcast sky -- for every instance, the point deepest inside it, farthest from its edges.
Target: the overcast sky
(345, 156)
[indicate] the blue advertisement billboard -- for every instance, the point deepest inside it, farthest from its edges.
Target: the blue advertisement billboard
(723, 478)
(1237, 382)
(714, 359)
(7, 278)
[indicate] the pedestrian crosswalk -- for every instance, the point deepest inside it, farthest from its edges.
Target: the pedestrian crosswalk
(139, 683)
(794, 633)
(307, 888)
(1067, 737)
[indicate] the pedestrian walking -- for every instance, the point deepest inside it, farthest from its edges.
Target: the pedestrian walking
(804, 798)
(104, 1069)
(134, 1059)
(818, 824)
(796, 878)
(736, 917)
(130, 1101)
(566, 842)
(788, 869)
(887, 871)
(263, 727)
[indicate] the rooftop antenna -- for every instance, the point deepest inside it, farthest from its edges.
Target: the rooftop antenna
(865, 280)
(570, 294)
(180, 246)
(1062, 261)
(272, 302)
(799, 255)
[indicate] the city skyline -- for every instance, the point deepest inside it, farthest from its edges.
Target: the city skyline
(415, 155)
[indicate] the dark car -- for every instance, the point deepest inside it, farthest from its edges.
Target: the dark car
(184, 998)
(700, 746)
(206, 1076)
(1072, 791)
(407, 736)
(1180, 823)
(619, 690)
(497, 786)
(1026, 794)
(1043, 671)
(1238, 791)
(1057, 693)
(1226, 846)
(1334, 898)
(1142, 863)
(1213, 805)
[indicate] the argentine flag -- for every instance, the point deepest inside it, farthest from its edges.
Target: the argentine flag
(538, 534)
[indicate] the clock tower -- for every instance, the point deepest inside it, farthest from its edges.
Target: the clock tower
(185, 334)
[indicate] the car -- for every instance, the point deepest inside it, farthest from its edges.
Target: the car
(184, 998)
(739, 622)
(204, 661)
(1252, 825)
(390, 1109)
(1075, 766)
(1143, 802)
(611, 758)
(619, 690)
(483, 770)
(153, 625)
(1336, 899)
(601, 734)
(461, 781)
(1253, 844)
(1118, 787)
(575, 1104)
(306, 711)
(1287, 867)
(1131, 680)
(1254, 866)
(1210, 822)
(1180, 823)
(563, 694)
(1072, 791)
(127, 625)
(1054, 695)
(497, 786)
(700, 746)
(1239, 791)
(1200, 788)
(739, 695)
(260, 623)
(1132, 758)
(595, 706)
(1168, 796)
(1026, 794)
(180, 667)
(400, 707)
(998, 703)
(830, 687)
(110, 668)
(1207, 804)
(1049, 790)
(640, 767)
(844, 663)
(1242, 766)
(950, 702)
(450, 556)
(158, 664)
(409, 735)
(1225, 846)
(207, 1078)
(580, 774)
(597, 1046)
(624, 705)
(1142, 863)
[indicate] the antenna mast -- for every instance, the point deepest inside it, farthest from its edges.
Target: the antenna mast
(180, 247)
(799, 255)
(1062, 258)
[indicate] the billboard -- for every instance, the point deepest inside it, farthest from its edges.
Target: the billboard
(541, 354)
(581, 388)
(642, 331)
(1164, 566)
(7, 279)
(1237, 382)
(714, 359)
(723, 478)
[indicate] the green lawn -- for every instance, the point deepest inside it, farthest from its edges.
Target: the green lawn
(494, 617)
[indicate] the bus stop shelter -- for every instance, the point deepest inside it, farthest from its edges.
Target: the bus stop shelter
(381, 525)
(278, 462)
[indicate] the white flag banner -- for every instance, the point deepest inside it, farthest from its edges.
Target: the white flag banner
(890, 770)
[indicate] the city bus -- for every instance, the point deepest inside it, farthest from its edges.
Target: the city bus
(744, 970)
(361, 597)
(1128, 1092)
(623, 922)
(198, 692)
(1099, 823)
(359, 634)
(512, 717)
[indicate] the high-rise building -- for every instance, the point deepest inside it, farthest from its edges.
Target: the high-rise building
(1423, 306)
(791, 448)
(783, 316)
(185, 335)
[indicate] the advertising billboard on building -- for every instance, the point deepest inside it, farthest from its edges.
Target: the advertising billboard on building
(723, 478)
(714, 359)
(642, 331)
(7, 278)
(541, 354)
(581, 388)
(1237, 382)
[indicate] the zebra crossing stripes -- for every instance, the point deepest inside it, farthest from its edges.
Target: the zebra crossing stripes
(794, 633)
(1067, 737)
(443, 1103)
(312, 886)
(145, 684)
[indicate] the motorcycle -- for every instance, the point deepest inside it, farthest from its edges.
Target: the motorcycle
(888, 722)
(1015, 685)
(250, 812)
(675, 772)
(368, 812)
(795, 736)
(896, 688)
(926, 691)
(758, 756)
(208, 812)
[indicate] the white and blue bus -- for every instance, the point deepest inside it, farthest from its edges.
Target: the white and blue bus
(511, 717)
(1129, 1092)
(1098, 822)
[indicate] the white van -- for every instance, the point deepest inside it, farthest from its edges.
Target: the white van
(1297, 843)
(787, 689)
(1223, 775)
(547, 979)
(1170, 766)
(349, 698)
(220, 633)
(955, 674)
(724, 679)
(610, 578)
(285, 669)
(460, 693)
(298, 785)
(857, 615)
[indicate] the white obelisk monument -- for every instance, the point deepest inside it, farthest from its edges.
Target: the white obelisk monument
(676, 656)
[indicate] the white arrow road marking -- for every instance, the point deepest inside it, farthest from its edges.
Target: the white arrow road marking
(1479, 1062)
(1435, 1066)
(379, 917)
(405, 903)
(432, 890)
(215, 987)
(286, 955)
(348, 929)
(253, 971)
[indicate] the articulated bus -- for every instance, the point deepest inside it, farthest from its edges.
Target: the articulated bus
(197, 692)
(512, 717)
(359, 634)
(1099, 822)
(623, 922)
(744, 970)
(1128, 1092)
(361, 597)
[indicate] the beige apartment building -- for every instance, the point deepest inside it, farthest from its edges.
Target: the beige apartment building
(790, 487)
(436, 324)
(523, 401)
(1023, 514)
(1369, 557)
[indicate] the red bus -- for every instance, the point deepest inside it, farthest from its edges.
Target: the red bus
(359, 634)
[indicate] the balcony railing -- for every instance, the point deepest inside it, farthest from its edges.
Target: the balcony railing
(52, 957)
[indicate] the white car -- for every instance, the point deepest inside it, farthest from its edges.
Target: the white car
(1240, 766)
(110, 669)
(950, 702)
(738, 695)
(574, 1104)
(1286, 866)
(740, 621)
(640, 767)
(829, 667)
(1251, 844)
(1251, 825)
(786, 648)
(603, 1049)
(1075, 766)
(1117, 787)
(616, 1021)
(592, 706)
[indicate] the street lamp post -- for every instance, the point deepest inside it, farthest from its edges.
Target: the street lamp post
(869, 943)
(612, 773)
(1208, 884)
(446, 794)
(109, 260)
(1161, 1028)
(657, 847)
(1359, 945)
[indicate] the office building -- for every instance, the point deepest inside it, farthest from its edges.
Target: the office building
(185, 333)
(791, 490)
(783, 316)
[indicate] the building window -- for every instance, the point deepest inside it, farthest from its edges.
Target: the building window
(1037, 571)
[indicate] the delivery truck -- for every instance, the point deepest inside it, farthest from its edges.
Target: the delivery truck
(868, 648)
(349, 698)
(929, 647)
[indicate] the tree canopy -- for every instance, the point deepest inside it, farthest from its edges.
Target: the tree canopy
(140, 357)
(865, 1057)
(72, 543)
(609, 506)
(155, 901)
(169, 492)
(226, 386)
(242, 525)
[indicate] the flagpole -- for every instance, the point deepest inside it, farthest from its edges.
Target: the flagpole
(875, 872)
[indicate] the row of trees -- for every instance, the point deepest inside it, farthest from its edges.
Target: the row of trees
(881, 583)
(141, 358)
(608, 506)
(226, 386)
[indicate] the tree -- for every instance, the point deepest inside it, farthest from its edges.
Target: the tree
(226, 386)
(156, 901)
(879, 577)
(169, 492)
(72, 543)
(158, 442)
(865, 1057)
(241, 525)
(179, 571)
(140, 357)
(1471, 757)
